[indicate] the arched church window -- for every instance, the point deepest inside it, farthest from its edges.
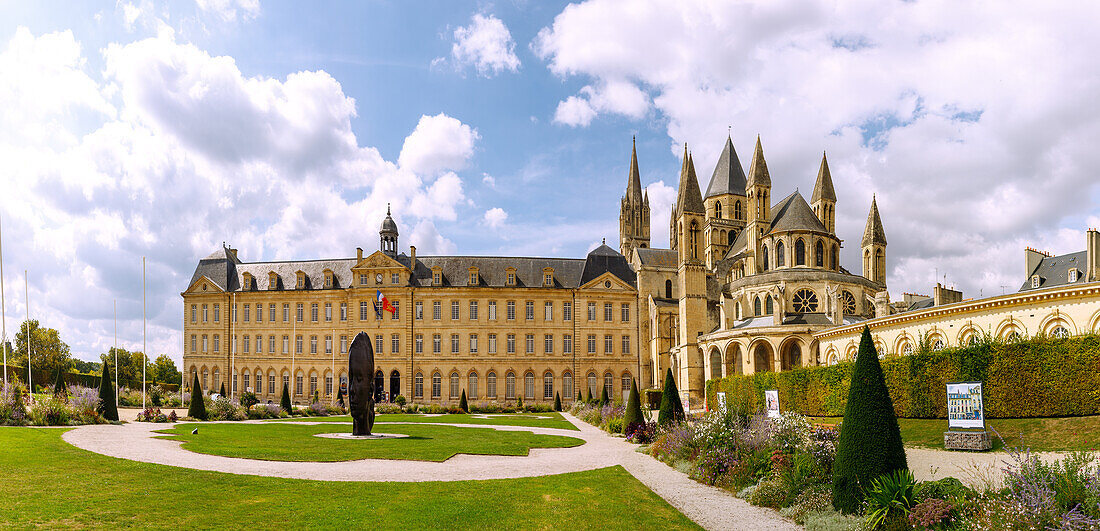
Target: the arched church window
(780, 261)
(848, 303)
(1060, 332)
(819, 255)
(717, 210)
(764, 258)
(799, 252)
(833, 260)
(768, 306)
(693, 240)
(737, 210)
(668, 289)
(804, 300)
(730, 237)
(737, 311)
(756, 307)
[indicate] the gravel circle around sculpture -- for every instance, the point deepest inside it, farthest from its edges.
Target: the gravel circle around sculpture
(372, 437)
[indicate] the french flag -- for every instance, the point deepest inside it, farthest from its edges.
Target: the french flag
(385, 303)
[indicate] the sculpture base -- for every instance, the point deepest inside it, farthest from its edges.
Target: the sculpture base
(967, 440)
(371, 437)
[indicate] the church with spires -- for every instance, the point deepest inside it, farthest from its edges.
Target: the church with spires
(746, 280)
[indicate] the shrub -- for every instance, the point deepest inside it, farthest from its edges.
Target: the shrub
(284, 401)
(557, 401)
(632, 417)
(223, 408)
(615, 425)
(12, 409)
(792, 432)
(197, 409)
(604, 400)
(106, 406)
(400, 400)
(831, 521)
(317, 409)
(672, 410)
(890, 497)
(770, 492)
(462, 403)
(931, 513)
(59, 383)
(869, 445)
(340, 396)
(947, 488)
(814, 498)
(248, 399)
(387, 408)
(222, 390)
(519, 403)
(50, 411)
(643, 434)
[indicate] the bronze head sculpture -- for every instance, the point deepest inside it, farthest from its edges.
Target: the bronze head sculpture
(361, 384)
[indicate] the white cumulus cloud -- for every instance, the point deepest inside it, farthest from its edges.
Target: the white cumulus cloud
(495, 217)
(438, 143)
(486, 44)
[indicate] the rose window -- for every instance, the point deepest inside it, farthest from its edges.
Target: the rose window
(804, 300)
(848, 302)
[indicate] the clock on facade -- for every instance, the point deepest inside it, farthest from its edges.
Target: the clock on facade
(378, 278)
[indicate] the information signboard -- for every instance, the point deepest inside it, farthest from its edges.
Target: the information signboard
(964, 405)
(771, 399)
(721, 402)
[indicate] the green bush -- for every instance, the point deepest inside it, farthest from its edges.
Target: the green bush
(831, 520)
(400, 400)
(284, 401)
(870, 440)
(221, 391)
(248, 399)
(107, 406)
(672, 410)
(462, 403)
(197, 409)
(59, 384)
(947, 488)
(890, 498)
(1022, 379)
(770, 492)
(519, 403)
(557, 402)
(632, 417)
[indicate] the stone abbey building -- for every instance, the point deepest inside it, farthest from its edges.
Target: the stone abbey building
(747, 284)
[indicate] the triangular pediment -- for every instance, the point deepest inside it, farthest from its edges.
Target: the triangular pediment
(378, 260)
(203, 284)
(607, 281)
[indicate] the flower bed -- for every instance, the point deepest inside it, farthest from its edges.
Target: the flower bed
(75, 407)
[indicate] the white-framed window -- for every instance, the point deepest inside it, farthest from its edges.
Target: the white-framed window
(286, 313)
(1035, 281)
(529, 310)
(437, 278)
(312, 312)
(298, 384)
(608, 344)
(548, 385)
(529, 386)
(567, 311)
(471, 386)
(510, 278)
(608, 312)
(454, 344)
(247, 312)
(270, 344)
(328, 311)
(609, 384)
(530, 344)
(418, 310)
(395, 343)
(194, 341)
(204, 313)
(626, 312)
(298, 345)
(300, 312)
(492, 310)
(418, 385)
(343, 344)
(379, 343)
(511, 340)
(204, 343)
(548, 279)
(286, 344)
(217, 341)
(473, 310)
(437, 343)
(473, 278)
(510, 386)
(492, 344)
(194, 311)
(271, 313)
(396, 315)
(437, 310)
(245, 342)
(491, 385)
(395, 278)
(437, 385)
(548, 343)
(625, 382)
(312, 344)
(1072, 278)
(567, 385)
(511, 310)
(454, 385)
(567, 344)
(591, 343)
(328, 385)
(363, 279)
(473, 343)
(591, 311)
(218, 312)
(454, 310)
(548, 311)
(1060, 332)
(626, 344)
(419, 343)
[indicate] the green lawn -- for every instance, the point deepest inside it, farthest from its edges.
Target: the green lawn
(291, 442)
(530, 420)
(1054, 434)
(49, 483)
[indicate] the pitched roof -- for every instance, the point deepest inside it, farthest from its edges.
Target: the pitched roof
(1054, 271)
(758, 168)
(792, 213)
(633, 179)
(220, 268)
(688, 198)
(604, 259)
(873, 232)
(657, 257)
(728, 177)
(823, 188)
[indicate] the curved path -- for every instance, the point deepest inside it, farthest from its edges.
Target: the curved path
(710, 507)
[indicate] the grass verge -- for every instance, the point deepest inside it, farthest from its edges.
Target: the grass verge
(49, 483)
(528, 420)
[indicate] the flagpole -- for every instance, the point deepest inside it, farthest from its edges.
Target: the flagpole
(293, 349)
(27, 293)
(332, 397)
(3, 308)
(144, 353)
(116, 353)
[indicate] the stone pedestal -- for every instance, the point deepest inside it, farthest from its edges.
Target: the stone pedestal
(967, 440)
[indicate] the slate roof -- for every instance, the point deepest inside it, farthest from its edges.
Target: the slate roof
(1054, 271)
(227, 272)
(823, 188)
(758, 168)
(873, 232)
(814, 319)
(728, 177)
(657, 257)
(793, 213)
(688, 198)
(633, 179)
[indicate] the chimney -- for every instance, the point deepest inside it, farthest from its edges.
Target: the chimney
(412, 258)
(1092, 255)
(359, 254)
(943, 295)
(1032, 258)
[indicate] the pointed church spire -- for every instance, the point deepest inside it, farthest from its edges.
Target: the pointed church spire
(634, 180)
(689, 198)
(758, 169)
(874, 233)
(823, 189)
(728, 177)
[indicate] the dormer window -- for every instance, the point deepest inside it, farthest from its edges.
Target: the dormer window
(301, 284)
(548, 277)
(1035, 281)
(1073, 275)
(510, 277)
(473, 281)
(329, 277)
(437, 276)
(247, 281)
(272, 280)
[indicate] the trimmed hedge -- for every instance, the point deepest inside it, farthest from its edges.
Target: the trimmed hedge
(1039, 377)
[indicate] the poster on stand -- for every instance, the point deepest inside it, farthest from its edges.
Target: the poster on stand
(771, 399)
(721, 402)
(965, 408)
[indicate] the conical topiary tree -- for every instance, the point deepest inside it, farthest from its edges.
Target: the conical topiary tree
(672, 410)
(557, 402)
(284, 402)
(870, 440)
(221, 391)
(604, 399)
(588, 397)
(59, 384)
(340, 397)
(197, 409)
(632, 417)
(462, 403)
(107, 406)
(579, 397)
(519, 404)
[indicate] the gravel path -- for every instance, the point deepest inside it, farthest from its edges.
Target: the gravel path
(976, 469)
(710, 507)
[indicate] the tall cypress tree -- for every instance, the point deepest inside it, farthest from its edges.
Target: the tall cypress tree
(197, 409)
(604, 399)
(672, 410)
(59, 388)
(870, 440)
(222, 390)
(284, 402)
(579, 397)
(462, 403)
(632, 417)
(107, 406)
(557, 402)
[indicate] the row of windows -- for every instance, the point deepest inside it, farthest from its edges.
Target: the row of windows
(799, 258)
(249, 344)
(271, 384)
(368, 308)
(473, 391)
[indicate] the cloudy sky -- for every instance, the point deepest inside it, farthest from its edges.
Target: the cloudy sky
(157, 129)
